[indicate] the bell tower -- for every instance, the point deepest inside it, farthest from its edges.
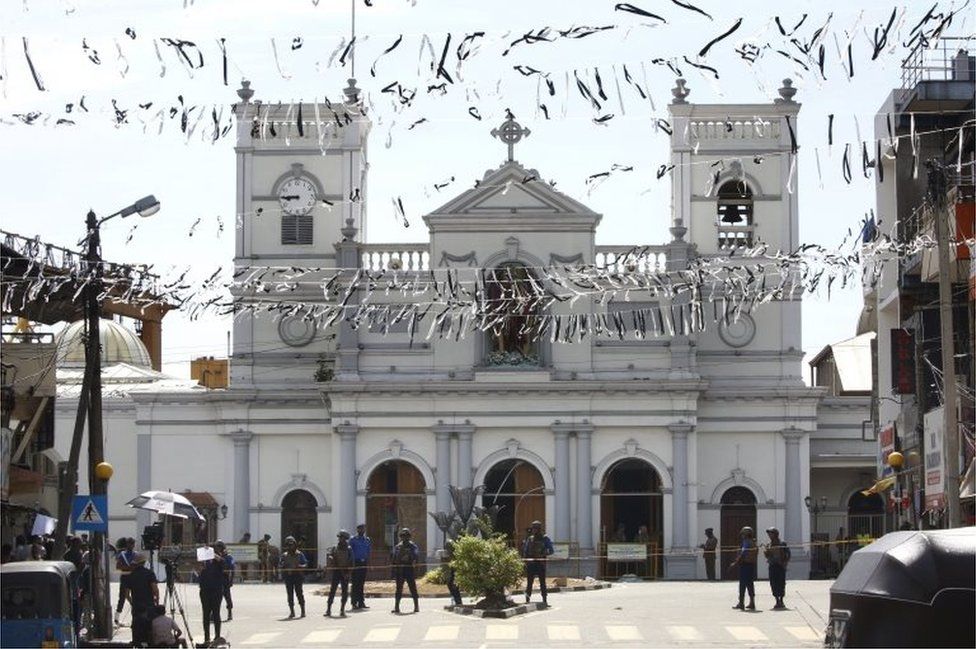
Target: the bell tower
(734, 186)
(301, 179)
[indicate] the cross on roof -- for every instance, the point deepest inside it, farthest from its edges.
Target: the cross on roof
(510, 132)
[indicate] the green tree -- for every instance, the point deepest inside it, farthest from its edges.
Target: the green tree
(485, 567)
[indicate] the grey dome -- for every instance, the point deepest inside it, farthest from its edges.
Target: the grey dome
(119, 345)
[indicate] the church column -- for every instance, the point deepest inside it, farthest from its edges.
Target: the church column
(560, 434)
(793, 532)
(242, 481)
(680, 563)
(584, 492)
(346, 497)
(464, 434)
(442, 474)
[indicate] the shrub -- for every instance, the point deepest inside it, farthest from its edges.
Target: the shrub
(485, 567)
(436, 576)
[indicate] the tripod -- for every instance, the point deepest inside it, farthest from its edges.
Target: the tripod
(172, 597)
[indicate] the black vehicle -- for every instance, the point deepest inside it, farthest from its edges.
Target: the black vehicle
(907, 589)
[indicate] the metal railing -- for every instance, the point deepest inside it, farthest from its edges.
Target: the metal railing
(946, 59)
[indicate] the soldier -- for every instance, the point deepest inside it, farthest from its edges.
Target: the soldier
(340, 558)
(708, 553)
(264, 558)
(778, 557)
(293, 563)
(362, 546)
(746, 561)
(405, 554)
(446, 556)
(536, 552)
(274, 557)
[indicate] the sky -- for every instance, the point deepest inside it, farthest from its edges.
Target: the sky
(52, 174)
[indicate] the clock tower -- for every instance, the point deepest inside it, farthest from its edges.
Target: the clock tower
(301, 176)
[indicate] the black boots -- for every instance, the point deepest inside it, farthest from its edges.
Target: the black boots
(780, 606)
(303, 609)
(291, 612)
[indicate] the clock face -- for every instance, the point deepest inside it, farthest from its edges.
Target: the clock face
(297, 196)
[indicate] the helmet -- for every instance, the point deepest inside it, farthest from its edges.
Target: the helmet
(405, 531)
(748, 531)
(290, 539)
(343, 534)
(536, 524)
(772, 531)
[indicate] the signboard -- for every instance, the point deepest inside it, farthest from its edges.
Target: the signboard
(89, 513)
(560, 551)
(886, 446)
(934, 462)
(626, 552)
(902, 362)
(243, 552)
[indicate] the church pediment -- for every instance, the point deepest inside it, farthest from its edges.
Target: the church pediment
(514, 195)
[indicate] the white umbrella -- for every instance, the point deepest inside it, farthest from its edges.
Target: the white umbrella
(166, 502)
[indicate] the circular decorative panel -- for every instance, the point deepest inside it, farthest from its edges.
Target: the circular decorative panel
(738, 333)
(296, 331)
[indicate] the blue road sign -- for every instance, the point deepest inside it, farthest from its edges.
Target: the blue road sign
(89, 513)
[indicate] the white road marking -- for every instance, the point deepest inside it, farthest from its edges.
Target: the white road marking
(382, 634)
(262, 638)
(327, 635)
(684, 633)
(747, 633)
(622, 633)
(563, 632)
(442, 632)
(501, 632)
(803, 633)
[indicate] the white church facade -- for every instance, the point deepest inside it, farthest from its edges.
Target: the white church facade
(605, 440)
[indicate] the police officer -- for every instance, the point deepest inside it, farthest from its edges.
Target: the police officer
(362, 546)
(746, 562)
(778, 557)
(220, 550)
(405, 554)
(708, 553)
(293, 563)
(536, 552)
(341, 559)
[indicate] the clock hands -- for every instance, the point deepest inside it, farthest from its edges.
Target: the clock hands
(291, 197)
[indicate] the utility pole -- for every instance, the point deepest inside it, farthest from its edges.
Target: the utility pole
(938, 186)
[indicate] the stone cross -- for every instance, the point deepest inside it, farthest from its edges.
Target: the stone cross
(510, 132)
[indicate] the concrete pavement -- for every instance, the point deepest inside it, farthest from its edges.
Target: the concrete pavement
(656, 614)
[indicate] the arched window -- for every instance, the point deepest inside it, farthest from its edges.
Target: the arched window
(734, 216)
(511, 313)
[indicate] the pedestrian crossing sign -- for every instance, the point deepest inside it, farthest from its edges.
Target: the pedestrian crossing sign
(89, 513)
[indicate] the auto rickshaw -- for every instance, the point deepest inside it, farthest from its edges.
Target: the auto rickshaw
(907, 589)
(36, 604)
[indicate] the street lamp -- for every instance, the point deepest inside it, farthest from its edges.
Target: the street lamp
(815, 508)
(90, 403)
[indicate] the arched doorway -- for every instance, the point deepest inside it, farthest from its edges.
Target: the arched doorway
(865, 515)
(738, 511)
(517, 488)
(299, 519)
(395, 498)
(632, 511)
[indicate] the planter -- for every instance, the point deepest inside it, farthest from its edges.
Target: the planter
(497, 613)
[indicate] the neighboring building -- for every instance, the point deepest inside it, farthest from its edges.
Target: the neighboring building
(321, 429)
(844, 453)
(210, 372)
(931, 115)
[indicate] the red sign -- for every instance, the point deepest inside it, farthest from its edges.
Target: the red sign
(902, 362)
(886, 446)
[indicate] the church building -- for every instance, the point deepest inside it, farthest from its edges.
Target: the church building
(609, 441)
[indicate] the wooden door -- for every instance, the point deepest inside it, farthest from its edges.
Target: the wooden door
(738, 511)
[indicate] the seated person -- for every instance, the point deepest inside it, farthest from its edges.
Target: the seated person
(165, 631)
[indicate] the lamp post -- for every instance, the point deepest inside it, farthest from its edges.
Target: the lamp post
(816, 508)
(90, 400)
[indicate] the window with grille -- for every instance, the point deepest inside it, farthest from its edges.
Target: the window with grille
(296, 229)
(735, 224)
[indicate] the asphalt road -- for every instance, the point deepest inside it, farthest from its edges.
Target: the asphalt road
(653, 614)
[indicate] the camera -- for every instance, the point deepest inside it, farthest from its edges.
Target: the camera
(152, 536)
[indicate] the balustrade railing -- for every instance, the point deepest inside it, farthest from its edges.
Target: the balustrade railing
(393, 256)
(734, 129)
(643, 259)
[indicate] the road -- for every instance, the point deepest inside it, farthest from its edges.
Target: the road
(655, 614)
